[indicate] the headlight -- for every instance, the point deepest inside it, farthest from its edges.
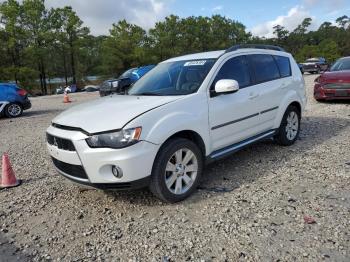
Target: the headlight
(120, 139)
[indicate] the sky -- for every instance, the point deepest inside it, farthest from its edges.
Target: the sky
(259, 16)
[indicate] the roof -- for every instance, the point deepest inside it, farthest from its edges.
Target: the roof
(217, 54)
(205, 55)
(7, 84)
(255, 46)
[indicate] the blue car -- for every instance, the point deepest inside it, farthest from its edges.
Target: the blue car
(124, 81)
(13, 100)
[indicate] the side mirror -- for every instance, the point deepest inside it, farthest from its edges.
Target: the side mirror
(226, 86)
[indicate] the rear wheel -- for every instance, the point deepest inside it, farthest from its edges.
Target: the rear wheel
(13, 110)
(289, 129)
(177, 170)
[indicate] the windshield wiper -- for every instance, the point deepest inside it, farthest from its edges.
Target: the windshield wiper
(148, 94)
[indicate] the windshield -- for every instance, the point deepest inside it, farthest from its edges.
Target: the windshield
(341, 64)
(173, 78)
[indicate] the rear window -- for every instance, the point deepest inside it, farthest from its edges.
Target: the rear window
(265, 68)
(341, 64)
(283, 65)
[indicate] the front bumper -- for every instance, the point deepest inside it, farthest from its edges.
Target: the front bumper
(93, 166)
(27, 104)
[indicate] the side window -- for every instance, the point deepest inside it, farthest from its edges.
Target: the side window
(283, 65)
(236, 68)
(265, 68)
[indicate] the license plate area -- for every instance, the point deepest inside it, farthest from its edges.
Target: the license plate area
(342, 93)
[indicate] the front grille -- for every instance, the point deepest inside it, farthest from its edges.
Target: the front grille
(337, 86)
(72, 170)
(60, 143)
(69, 128)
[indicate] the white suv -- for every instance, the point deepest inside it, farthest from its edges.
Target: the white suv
(185, 112)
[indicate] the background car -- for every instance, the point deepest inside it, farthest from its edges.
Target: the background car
(335, 83)
(124, 81)
(71, 89)
(13, 100)
(90, 88)
(59, 90)
(315, 65)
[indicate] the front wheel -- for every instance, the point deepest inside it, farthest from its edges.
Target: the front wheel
(289, 129)
(13, 110)
(177, 170)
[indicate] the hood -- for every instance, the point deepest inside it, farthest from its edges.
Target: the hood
(110, 113)
(336, 76)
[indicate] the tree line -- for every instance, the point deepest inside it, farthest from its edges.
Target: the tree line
(38, 44)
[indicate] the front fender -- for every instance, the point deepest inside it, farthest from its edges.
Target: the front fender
(174, 123)
(189, 114)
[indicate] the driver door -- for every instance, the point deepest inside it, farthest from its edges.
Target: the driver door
(234, 117)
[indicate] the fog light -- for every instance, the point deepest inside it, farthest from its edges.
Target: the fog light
(117, 171)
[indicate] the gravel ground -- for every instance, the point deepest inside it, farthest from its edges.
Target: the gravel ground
(251, 206)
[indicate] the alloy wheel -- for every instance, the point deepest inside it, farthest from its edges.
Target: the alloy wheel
(181, 171)
(14, 110)
(292, 125)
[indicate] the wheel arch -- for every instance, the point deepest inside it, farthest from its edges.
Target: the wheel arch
(192, 136)
(297, 105)
(290, 100)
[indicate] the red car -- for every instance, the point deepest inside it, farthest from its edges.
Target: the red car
(335, 83)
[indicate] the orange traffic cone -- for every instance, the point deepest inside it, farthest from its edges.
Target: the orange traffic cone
(8, 175)
(66, 98)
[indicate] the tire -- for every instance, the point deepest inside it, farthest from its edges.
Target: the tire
(13, 110)
(289, 129)
(166, 167)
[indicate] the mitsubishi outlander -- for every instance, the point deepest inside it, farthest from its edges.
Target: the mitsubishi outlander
(187, 111)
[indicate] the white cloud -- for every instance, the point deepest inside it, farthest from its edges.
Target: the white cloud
(217, 8)
(290, 21)
(330, 5)
(101, 14)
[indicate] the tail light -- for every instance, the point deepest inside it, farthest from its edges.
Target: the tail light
(22, 92)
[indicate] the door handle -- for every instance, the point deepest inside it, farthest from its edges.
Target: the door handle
(253, 96)
(284, 86)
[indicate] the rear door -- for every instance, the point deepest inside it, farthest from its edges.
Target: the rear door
(272, 78)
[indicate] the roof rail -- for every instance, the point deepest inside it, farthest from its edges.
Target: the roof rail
(256, 46)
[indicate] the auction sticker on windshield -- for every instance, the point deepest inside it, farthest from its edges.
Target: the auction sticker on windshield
(195, 63)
